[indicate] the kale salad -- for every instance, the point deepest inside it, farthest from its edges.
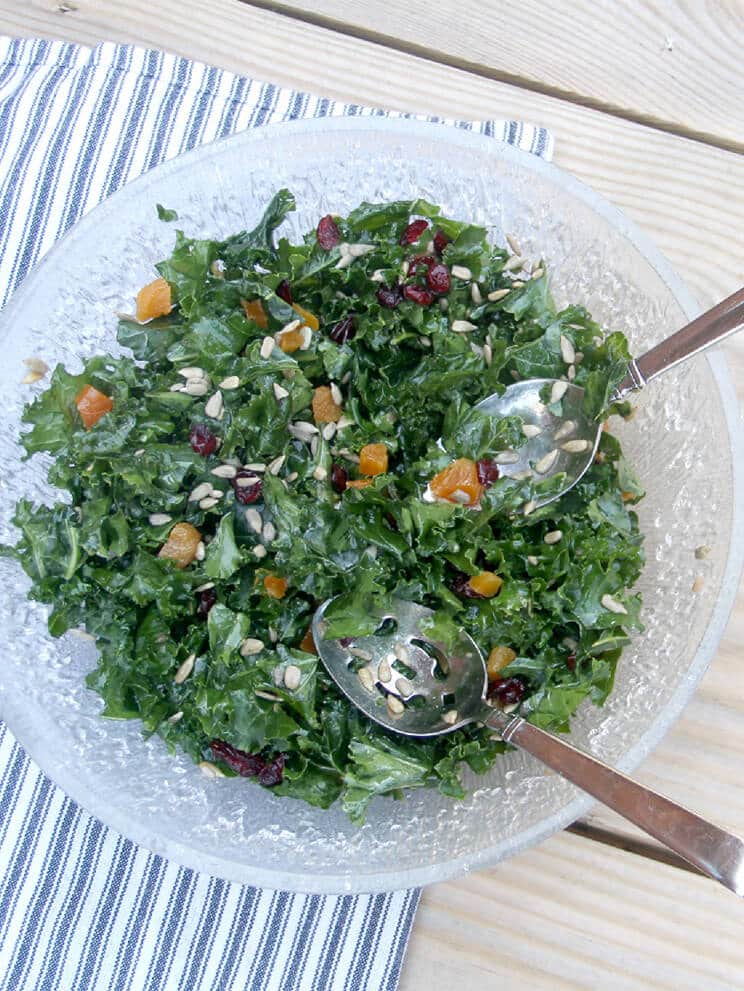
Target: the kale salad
(292, 422)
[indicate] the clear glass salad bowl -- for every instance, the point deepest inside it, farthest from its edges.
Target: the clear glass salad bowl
(683, 442)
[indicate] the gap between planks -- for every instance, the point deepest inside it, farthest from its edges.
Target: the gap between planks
(457, 62)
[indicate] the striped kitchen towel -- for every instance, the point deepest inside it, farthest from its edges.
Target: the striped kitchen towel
(82, 907)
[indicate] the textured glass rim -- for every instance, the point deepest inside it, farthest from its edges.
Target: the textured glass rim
(201, 861)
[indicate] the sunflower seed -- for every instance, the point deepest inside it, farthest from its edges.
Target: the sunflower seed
(201, 490)
(367, 679)
(255, 466)
(443, 305)
(293, 476)
(575, 446)
(475, 293)
(497, 294)
(363, 655)
(209, 503)
(461, 272)
(279, 391)
(378, 275)
(506, 457)
(253, 519)
(292, 677)
(184, 669)
(231, 382)
(520, 476)
(176, 387)
(269, 532)
(245, 481)
(273, 635)
(462, 326)
(36, 366)
(336, 395)
(529, 507)
(275, 466)
(513, 244)
(543, 466)
(192, 372)
(553, 537)
(384, 671)
(517, 284)
(531, 429)
(320, 473)
(487, 355)
(537, 273)
(558, 391)
(210, 770)
(566, 428)
(405, 267)
(201, 551)
(579, 357)
(344, 261)
(404, 687)
(158, 519)
(205, 587)
(450, 717)
(225, 471)
(194, 387)
(329, 431)
(259, 551)
(514, 263)
(349, 455)
(531, 559)
(612, 605)
(344, 422)
(302, 430)
(214, 405)
(359, 250)
(139, 452)
(269, 696)
(395, 706)
(571, 373)
(307, 337)
(401, 653)
(567, 350)
(267, 346)
(175, 718)
(251, 646)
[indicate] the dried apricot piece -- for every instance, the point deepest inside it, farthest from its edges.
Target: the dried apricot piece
(359, 483)
(498, 660)
(181, 544)
(153, 300)
(458, 482)
(373, 459)
(325, 407)
(290, 341)
(308, 642)
(486, 584)
(92, 405)
(254, 310)
(307, 317)
(275, 586)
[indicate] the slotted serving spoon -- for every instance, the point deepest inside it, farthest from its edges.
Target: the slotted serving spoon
(417, 685)
(567, 442)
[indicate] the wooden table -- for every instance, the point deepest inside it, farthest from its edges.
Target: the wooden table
(645, 102)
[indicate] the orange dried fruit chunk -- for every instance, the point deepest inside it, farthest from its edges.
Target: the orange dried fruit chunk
(359, 483)
(307, 317)
(308, 642)
(290, 341)
(181, 544)
(254, 310)
(373, 459)
(275, 586)
(458, 482)
(325, 407)
(153, 300)
(486, 584)
(92, 405)
(498, 660)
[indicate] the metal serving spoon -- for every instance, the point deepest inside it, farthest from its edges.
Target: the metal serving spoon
(407, 680)
(566, 441)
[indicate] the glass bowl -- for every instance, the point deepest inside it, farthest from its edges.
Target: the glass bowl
(683, 442)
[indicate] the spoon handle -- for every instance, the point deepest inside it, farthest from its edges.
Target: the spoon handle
(707, 329)
(712, 850)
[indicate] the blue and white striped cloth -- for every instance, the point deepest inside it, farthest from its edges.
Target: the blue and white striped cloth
(81, 907)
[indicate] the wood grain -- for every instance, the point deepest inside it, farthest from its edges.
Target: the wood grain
(673, 64)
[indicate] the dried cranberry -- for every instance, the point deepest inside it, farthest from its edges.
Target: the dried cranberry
(461, 586)
(246, 494)
(438, 278)
(389, 297)
(202, 440)
(440, 241)
(272, 772)
(417, 294)
(328, 233)
(571, 662)
(419, 260)
(414, 231)
(346, 641)
(507, 691)
(339, 478)
(343, 331)
(488, 472)
(206, 600)
(284, 291)
(245, 764)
